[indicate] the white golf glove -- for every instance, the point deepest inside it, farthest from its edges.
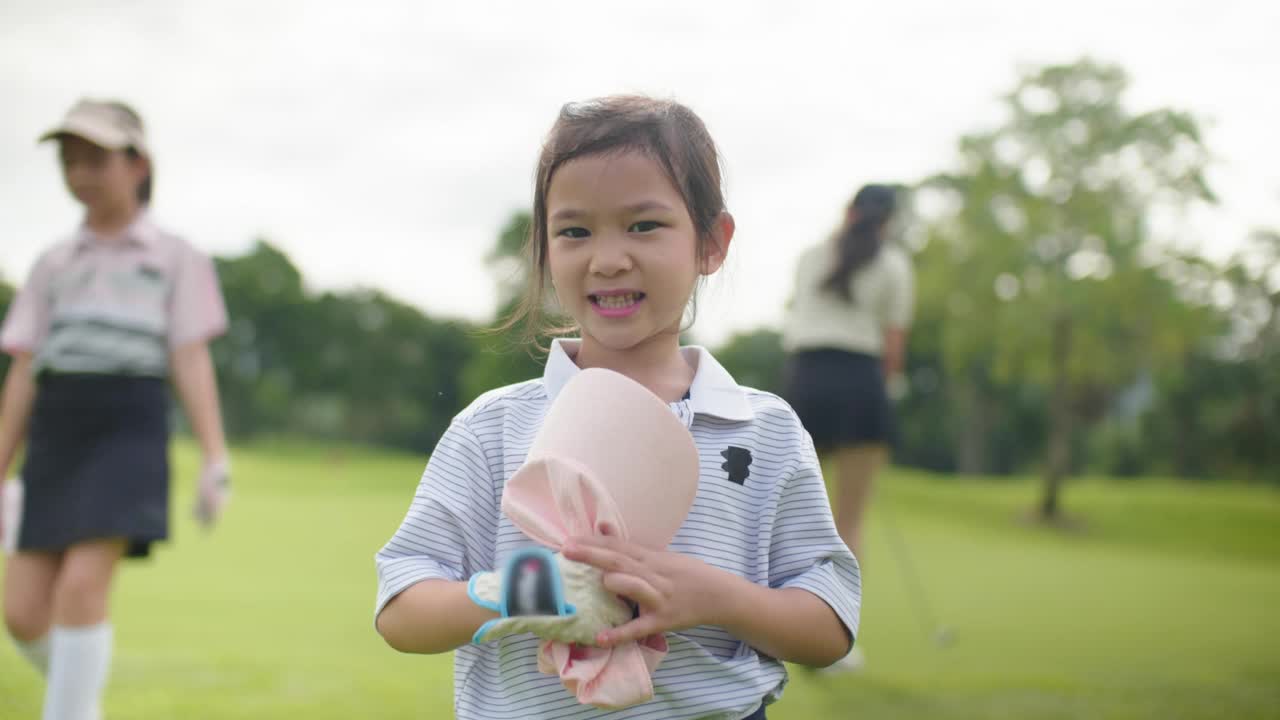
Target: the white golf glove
(10, 514)
(545, 594)
(897, 387)
(212, 492)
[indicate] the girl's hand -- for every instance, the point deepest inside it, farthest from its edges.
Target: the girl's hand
(673, 591)
(212, 491)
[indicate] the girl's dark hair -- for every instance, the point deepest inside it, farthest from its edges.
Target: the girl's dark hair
(144, 187)
(858, 241)
(664, 130)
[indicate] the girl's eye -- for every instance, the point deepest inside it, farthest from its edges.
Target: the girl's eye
(644, 226)
(576, 233)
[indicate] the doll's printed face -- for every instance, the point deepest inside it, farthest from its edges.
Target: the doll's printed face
(531, 590)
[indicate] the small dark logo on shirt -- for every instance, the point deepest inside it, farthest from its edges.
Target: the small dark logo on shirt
(150, 273)
(736, 462)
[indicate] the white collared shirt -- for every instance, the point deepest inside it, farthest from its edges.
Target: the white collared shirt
(773, 527)
(115, 306)
(883, 298)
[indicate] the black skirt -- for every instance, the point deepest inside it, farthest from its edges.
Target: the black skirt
(840, 397)
(97, 463)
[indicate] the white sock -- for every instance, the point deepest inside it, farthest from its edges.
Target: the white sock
(36, 652)
(81, 658)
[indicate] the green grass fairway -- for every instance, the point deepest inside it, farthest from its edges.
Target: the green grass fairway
(1164, 603)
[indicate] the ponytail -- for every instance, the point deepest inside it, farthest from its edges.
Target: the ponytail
(859, 240)
(134, 153)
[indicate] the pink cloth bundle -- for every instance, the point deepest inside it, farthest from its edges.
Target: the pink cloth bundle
(609, 454)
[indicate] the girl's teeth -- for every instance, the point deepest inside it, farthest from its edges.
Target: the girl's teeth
(616, 301)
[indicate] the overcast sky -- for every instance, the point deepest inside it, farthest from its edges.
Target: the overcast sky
(384, 143)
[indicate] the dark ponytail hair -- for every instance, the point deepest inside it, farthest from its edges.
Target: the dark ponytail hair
(860, 238)
(144, 187)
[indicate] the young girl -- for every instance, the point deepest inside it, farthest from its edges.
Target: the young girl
(104, 318)
(628, 216)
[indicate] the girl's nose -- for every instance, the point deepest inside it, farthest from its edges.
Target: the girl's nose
(610, 256)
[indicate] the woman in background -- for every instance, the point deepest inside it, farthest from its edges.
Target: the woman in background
(846, 335)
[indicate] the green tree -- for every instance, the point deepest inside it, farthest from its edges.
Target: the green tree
(382, 372)
(356, 365)
(1221, 415)
(755, 359)
(268, 342)
(1041, 252)
(501, 356)
(507, 263)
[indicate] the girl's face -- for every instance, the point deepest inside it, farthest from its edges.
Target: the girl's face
(622, 249)
(100, 179)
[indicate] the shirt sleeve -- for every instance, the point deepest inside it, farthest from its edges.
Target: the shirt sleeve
(27, 322)
(806, 551)
(451, 526)
(196, 310)
(899, 301)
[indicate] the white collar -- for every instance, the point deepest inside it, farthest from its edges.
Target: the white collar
(713, 392)
(139, 231)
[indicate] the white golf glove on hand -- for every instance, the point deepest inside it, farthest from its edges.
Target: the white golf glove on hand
(897, 387)
(10, 514)
(212, 492)
(545, 594)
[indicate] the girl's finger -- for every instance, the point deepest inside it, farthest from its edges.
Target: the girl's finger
(609, 542)
(597, 557)
(582, 552)
(635, 589)
(641, 627)
(593, 541)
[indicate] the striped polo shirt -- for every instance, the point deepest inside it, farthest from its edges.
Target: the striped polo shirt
(115, 305)
(771, 524)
